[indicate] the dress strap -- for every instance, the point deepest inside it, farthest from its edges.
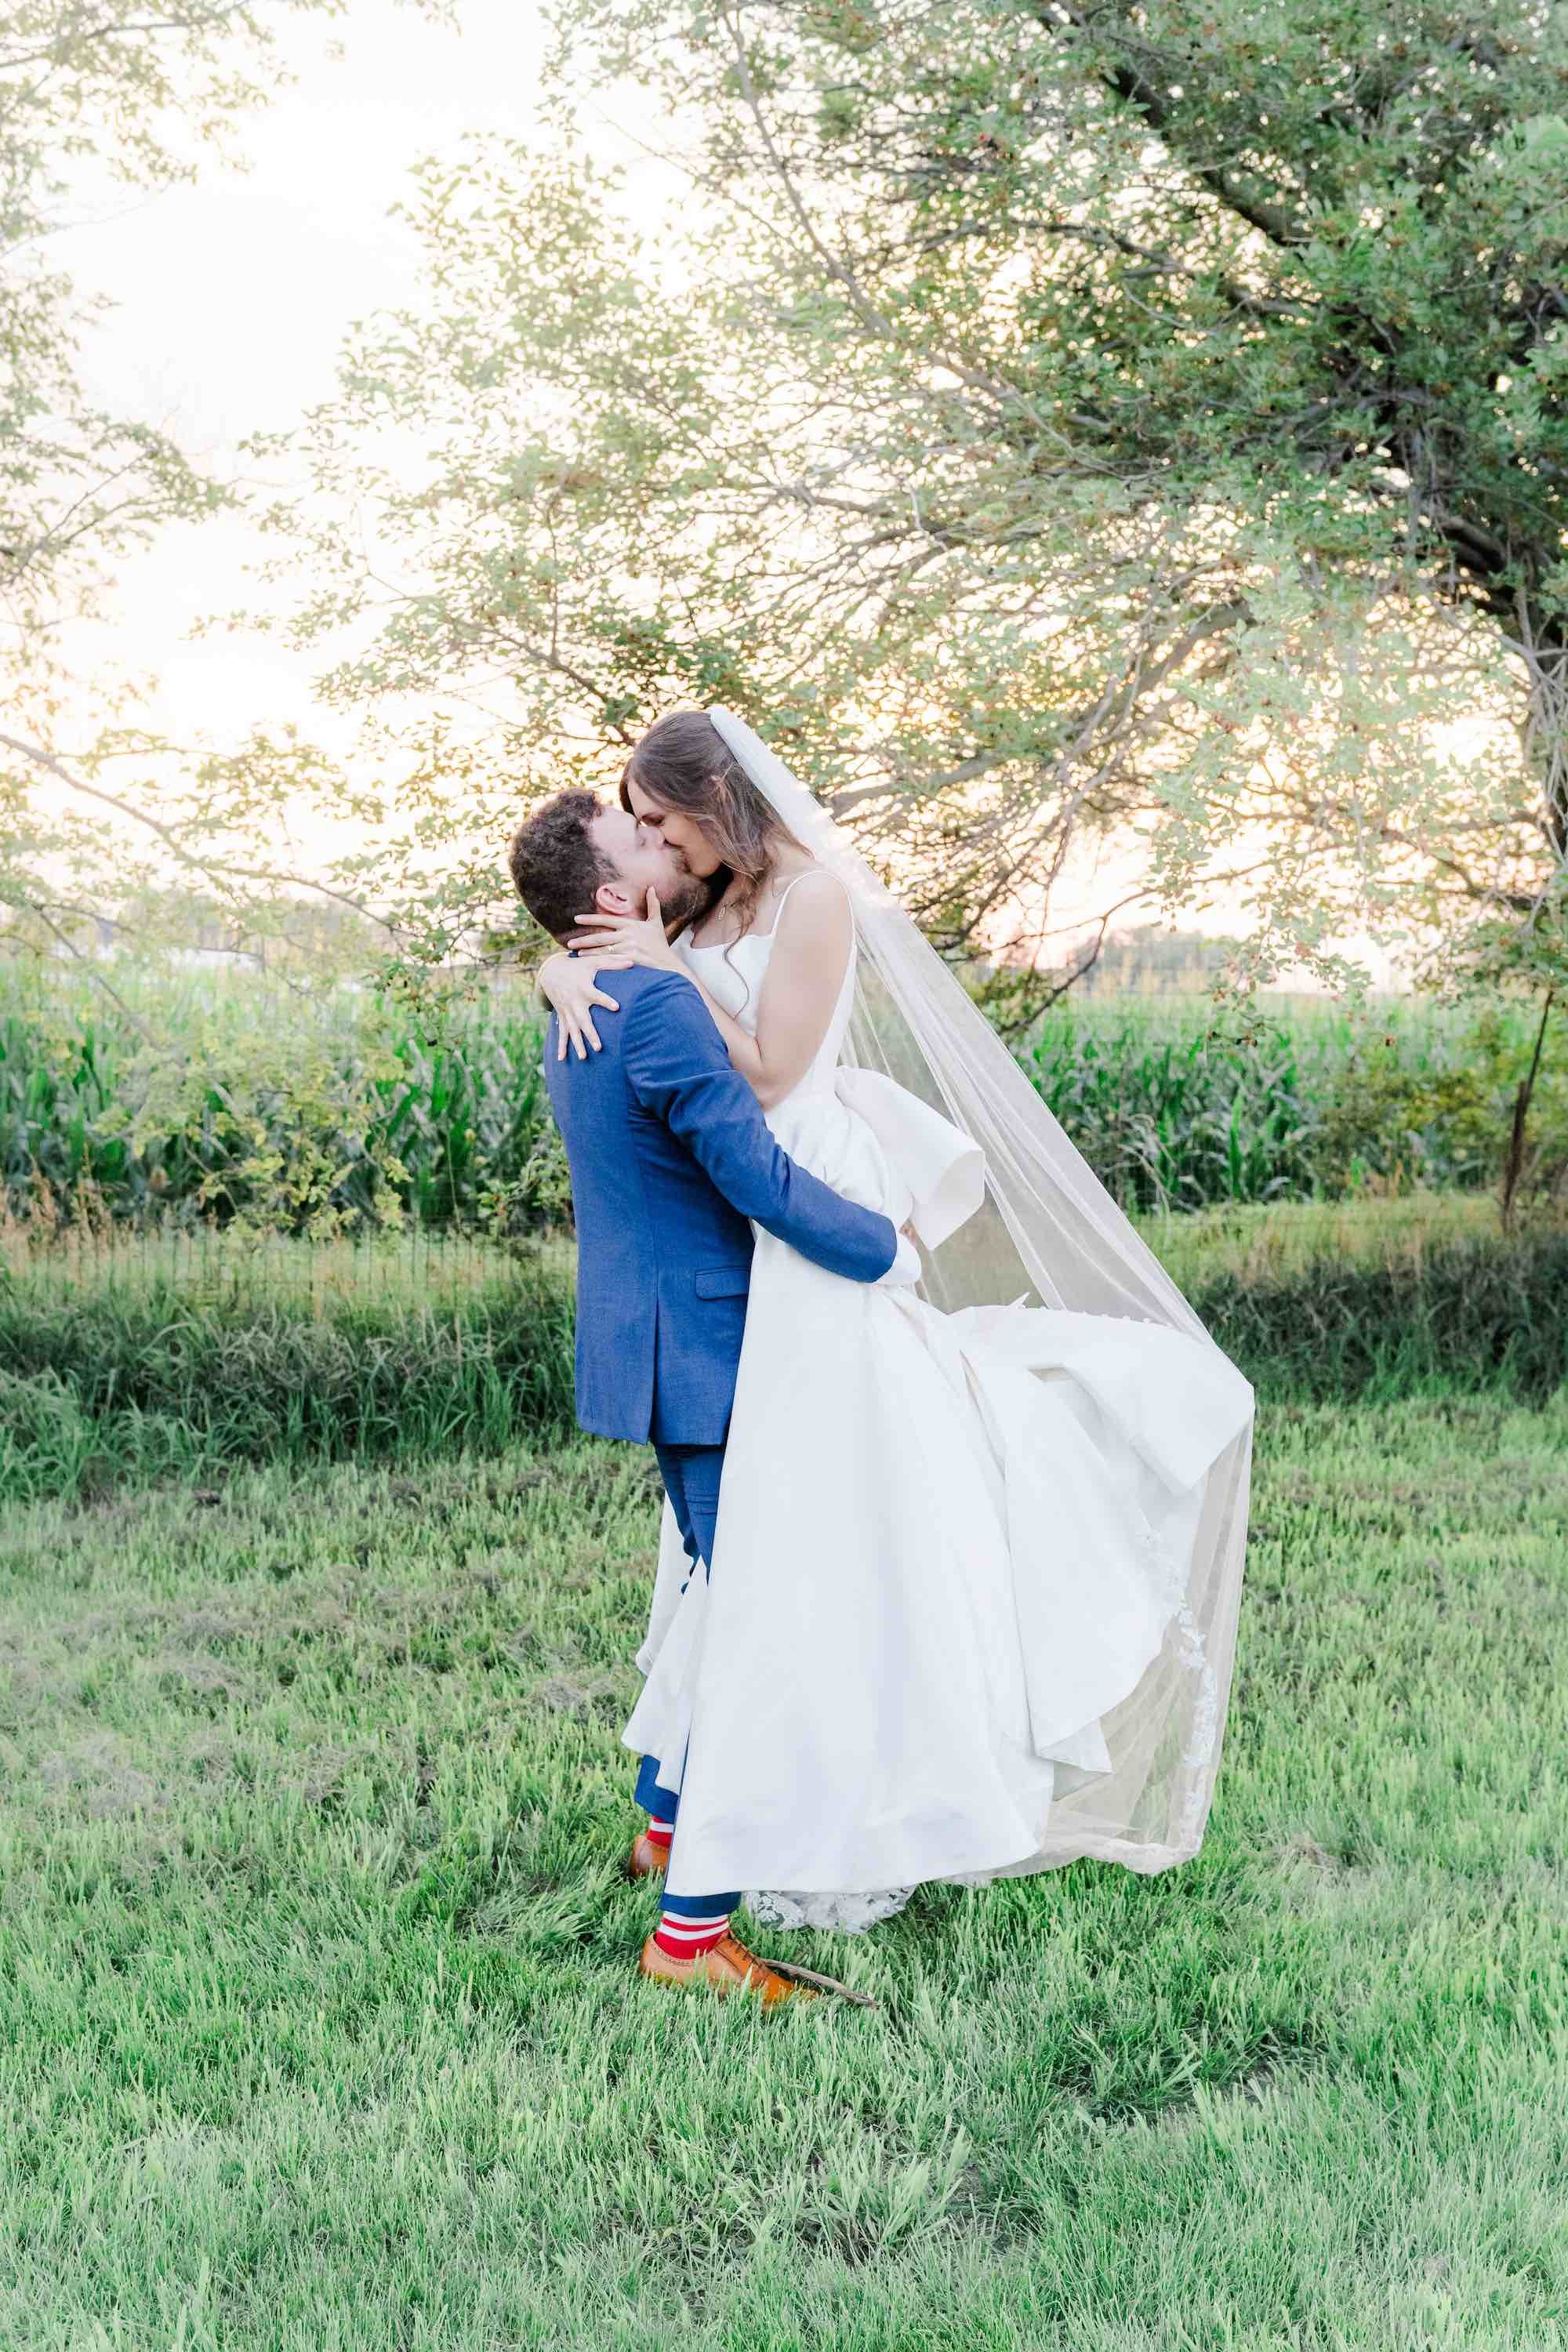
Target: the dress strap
(789, 886)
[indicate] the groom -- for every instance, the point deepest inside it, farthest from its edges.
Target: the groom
(670, 1157)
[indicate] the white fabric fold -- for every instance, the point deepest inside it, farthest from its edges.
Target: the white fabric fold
(943, 1171)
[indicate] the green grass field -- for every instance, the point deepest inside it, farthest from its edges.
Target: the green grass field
(320, 2029)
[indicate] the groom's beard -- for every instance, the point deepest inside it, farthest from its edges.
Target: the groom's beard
(688, 898)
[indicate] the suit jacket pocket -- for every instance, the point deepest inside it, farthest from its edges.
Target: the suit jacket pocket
(723, 1281)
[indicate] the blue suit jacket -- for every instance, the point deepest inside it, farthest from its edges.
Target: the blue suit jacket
(671, 1157)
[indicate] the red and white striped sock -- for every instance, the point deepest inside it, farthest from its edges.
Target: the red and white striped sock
(659, 1832)
(682, 1939)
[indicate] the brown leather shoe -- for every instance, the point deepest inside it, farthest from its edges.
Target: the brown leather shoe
(725, 1967)
(647, 1858)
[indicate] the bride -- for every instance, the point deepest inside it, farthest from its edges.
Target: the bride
(977, 1560)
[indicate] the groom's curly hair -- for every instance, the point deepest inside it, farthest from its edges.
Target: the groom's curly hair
(554, 863)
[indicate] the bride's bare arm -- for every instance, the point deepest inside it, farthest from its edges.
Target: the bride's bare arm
(801, 985)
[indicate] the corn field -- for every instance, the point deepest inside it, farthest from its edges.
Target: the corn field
(233, 1103)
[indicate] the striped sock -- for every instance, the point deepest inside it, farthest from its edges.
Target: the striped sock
(659, 1832)
(682, 1938)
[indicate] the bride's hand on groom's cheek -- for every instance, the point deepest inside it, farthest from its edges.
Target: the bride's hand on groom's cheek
(632, 938)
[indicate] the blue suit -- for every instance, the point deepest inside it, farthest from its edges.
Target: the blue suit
(670, 1159)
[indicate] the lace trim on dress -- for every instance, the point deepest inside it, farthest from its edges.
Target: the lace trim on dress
(850, 1914)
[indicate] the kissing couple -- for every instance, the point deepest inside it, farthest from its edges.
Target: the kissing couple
(956, 1481)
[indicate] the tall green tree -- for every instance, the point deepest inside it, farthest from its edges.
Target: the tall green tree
(1046, 420)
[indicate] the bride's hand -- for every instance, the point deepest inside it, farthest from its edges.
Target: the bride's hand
(571, 984)
(632, 938)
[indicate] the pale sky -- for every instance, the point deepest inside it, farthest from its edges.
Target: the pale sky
(232, 299)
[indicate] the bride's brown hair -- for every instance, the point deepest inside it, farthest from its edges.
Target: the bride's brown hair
(683, 762)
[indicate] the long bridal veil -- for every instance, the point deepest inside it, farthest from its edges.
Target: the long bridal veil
(1046, 1225)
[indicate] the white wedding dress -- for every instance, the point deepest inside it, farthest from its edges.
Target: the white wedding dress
(947, 1545)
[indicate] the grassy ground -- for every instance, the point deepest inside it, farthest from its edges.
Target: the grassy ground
(318, 2031)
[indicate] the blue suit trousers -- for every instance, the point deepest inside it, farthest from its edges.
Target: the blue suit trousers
(691, 1476)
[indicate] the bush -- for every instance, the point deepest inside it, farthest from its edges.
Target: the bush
(303, 1117)
(156, 1377)
(1468, 1315)
(97, 1384)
